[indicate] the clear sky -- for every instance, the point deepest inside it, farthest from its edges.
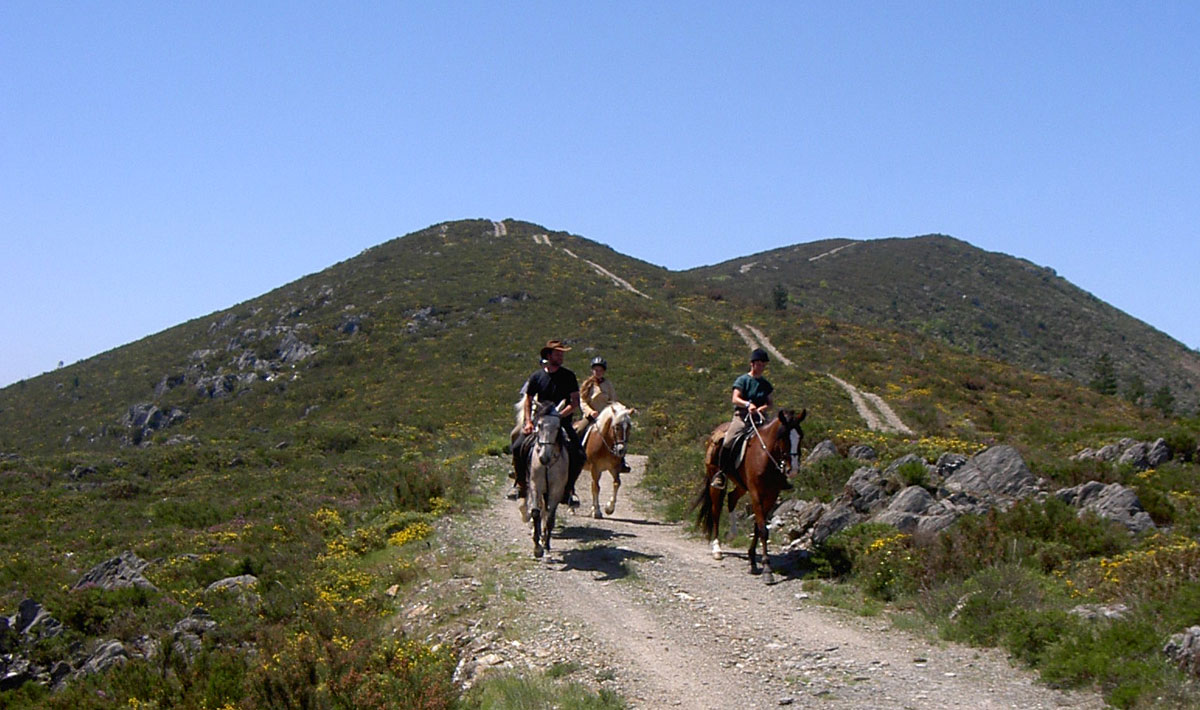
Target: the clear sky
(161, 161)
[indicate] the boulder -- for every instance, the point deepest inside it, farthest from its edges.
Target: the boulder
(998, 471)
(292, 350)
(948, 463)
(824, 450)
(188, 635)
(833, 521)
(866, 490)
(1184, 651)
(1112, 501)
(862, 452)
(120, 572)
(1160, 453)
(1137, 456)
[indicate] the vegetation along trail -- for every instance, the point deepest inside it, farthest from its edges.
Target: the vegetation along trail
(646, 612)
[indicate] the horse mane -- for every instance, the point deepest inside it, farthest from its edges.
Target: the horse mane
(610, 413)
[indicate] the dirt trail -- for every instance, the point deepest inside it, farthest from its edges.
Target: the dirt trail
(871, 407)
(644, 610)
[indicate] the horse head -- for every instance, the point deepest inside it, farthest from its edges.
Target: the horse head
(792, 434)
(617, 425)
(546, 429)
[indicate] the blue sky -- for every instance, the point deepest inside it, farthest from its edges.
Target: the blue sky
(161, 161)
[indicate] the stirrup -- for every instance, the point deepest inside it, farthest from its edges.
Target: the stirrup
(718, 481)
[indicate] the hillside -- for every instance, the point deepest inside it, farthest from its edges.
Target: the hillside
(315, 438)
(982, 302)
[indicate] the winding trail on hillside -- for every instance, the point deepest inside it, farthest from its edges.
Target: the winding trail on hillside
(639, 608)
(620, 282)
(874, 411)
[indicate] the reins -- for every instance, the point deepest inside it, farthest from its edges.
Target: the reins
(778, 464)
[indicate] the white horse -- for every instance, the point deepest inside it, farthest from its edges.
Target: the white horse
(548, 466)
(604, 445)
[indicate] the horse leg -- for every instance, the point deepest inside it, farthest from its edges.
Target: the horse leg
(716, 498)
(753, 553)
(616, 483)
(768, 575)
(551, 514)
(596, 493)
(537, 533)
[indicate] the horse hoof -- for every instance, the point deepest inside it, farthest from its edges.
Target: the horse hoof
(524, 511)
(597, 514)
(716, 551)
(538, 552)
(608, 510)
(768, 577)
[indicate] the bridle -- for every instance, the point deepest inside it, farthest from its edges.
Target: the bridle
(620, 427)
(547, 437)
(793, 456)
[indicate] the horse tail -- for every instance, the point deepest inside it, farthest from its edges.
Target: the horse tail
(704, 511)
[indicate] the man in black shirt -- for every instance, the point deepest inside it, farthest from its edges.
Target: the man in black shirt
(557, 385)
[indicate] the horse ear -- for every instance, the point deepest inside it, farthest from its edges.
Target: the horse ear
(803, 414)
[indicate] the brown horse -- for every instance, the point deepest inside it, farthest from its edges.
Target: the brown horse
(772, 452)
(605, 448)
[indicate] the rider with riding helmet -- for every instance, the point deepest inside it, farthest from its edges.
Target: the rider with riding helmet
(751, 397)
(595, 393)
(557, 385)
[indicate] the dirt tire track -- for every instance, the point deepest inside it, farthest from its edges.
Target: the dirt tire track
(644, 610)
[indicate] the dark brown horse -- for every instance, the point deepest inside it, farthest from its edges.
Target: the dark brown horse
(772, 452)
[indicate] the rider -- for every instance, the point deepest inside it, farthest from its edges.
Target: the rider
(751, 397)
(555, 384)
(595, 394)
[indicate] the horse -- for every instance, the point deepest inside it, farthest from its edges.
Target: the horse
(547, 477)
(772, 452)
(604, 446)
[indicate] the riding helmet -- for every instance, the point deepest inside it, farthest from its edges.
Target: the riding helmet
(600, 361)
(759, 354)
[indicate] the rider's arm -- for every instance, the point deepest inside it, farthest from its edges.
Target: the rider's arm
(583, 401)
(526, 418)
(571, 406)
(739, 400)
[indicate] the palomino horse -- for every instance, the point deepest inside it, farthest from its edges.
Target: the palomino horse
(547, 477)
(772, 451)
(604, 446)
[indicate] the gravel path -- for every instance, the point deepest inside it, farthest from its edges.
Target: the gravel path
(641, 608)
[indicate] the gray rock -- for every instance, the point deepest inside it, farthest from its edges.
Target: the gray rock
(866, 490)
(913, 499)
(241, 587)
(1160, 453)
(106, 655)
(120, 572)
(835, 520)
(1095, 612)
(187, 637)
(292, 350)
(999, 470)
(34, 622)
(1112, 501)
(862, 452)
(1184, 651)
(948, 463)
(824, 450)
(1137, 456)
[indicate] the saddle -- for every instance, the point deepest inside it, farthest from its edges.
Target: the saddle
(728, 459)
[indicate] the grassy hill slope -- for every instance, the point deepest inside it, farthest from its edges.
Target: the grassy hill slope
(320, 430)
(982, 302)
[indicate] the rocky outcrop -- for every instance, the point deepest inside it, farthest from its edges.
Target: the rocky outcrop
(120, 572)
(1184, 651)
(143, 420)
(824, 450)
(1141, 455)
(1112, 501)
(956, 485)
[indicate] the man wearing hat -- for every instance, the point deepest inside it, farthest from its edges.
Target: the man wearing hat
(555, 384)
(751, 396)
